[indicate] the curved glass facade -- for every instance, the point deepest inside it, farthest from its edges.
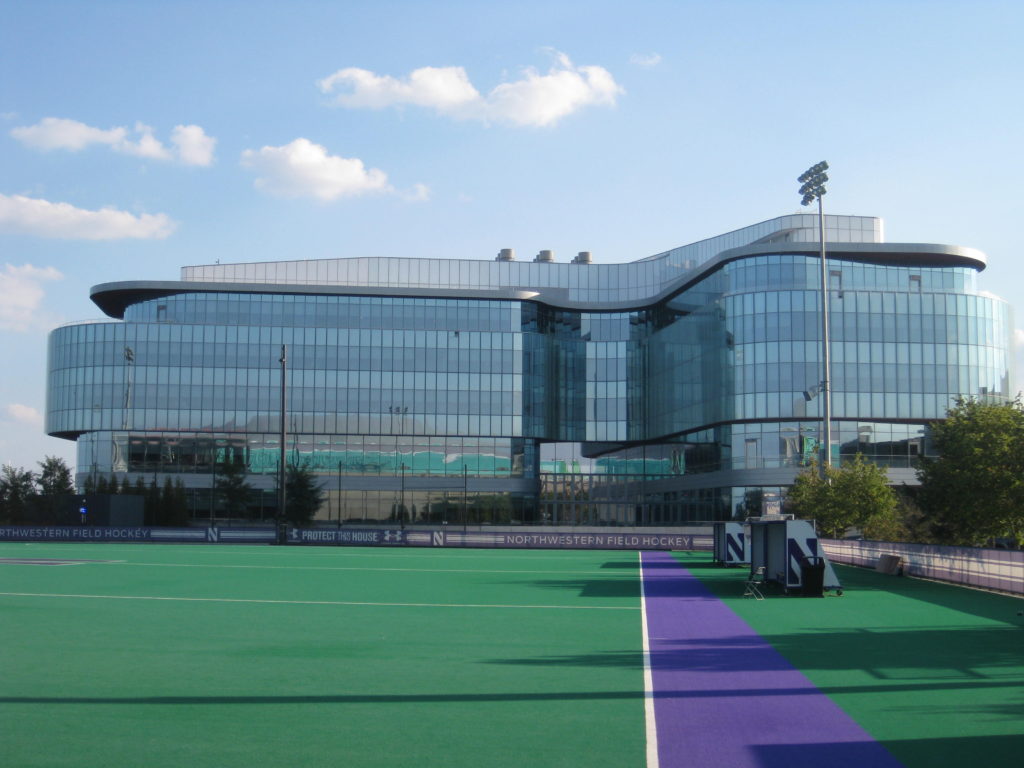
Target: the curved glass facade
(358, 366)
(637, 281)
(447, 404)
(745, 344)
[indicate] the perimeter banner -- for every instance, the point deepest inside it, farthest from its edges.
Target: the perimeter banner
(355, 537)
(211, 535)
(496, 539)
(74, 533)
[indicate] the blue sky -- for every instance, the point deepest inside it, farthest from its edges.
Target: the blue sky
(138, 137)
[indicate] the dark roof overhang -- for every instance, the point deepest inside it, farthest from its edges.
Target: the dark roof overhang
(114, 298)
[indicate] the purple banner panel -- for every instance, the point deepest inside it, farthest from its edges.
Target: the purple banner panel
(353, 537)
(493, 538)
(512, 539)
(241, 535)
(74, 533)
(211, 535)
(723, 696)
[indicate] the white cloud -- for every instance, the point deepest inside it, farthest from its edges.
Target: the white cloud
(646, 60)
(60, 133)
(24, 414)
(147, 145)
(535, 99)
(1018, 337)
(192, 145)
(41, 218)
(443, 88)
(417, 194)
(546, 99)
(21, 293)
(304, 169)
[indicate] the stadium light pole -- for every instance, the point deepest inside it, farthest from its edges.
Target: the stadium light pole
(281, 496)
(813, 188)
(401, 501)
(129, 365)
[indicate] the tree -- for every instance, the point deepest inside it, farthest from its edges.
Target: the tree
(174, 502)
(974, 488)
(54, 477)
(855, 495)
(304, 494)
(17, 493)
(231, 483)
(54, 482)
(155, 513)
(753, 502)
(811, 498)
(917, 526)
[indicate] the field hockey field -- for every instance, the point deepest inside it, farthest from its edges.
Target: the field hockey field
(171, 655)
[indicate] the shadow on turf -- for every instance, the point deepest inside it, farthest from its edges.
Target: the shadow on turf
(727, 582)
(621, 587)
(603, 587)
(823, 753)
(939, 659)
(634, 565)
(934, 752)
(355, 698)
(608, 586)
(1012, 713)
(975, 602)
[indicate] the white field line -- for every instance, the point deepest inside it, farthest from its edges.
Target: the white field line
(326, 602)
(50, 565)
(58, 562)
(335, 551)
(355, 568)
(652, 728)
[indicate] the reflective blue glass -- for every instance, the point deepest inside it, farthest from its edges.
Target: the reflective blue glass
(564, 392)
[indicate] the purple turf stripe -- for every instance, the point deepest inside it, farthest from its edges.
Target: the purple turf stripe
(724, 697)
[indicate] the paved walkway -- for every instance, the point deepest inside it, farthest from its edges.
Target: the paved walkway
(724, 697)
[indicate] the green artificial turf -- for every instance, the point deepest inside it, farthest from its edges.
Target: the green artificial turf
(391, 657)
(934, 671)
(539, 662)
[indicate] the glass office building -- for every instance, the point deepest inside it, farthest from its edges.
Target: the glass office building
(671, 389)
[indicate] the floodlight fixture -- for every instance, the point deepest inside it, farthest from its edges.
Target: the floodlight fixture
(812, 392)
(812, 187)
(813, 183)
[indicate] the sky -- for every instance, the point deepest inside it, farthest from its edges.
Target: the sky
(137, 137)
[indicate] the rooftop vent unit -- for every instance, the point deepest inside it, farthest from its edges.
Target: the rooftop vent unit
(583, 257)
(506, 254)
(547, 257)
